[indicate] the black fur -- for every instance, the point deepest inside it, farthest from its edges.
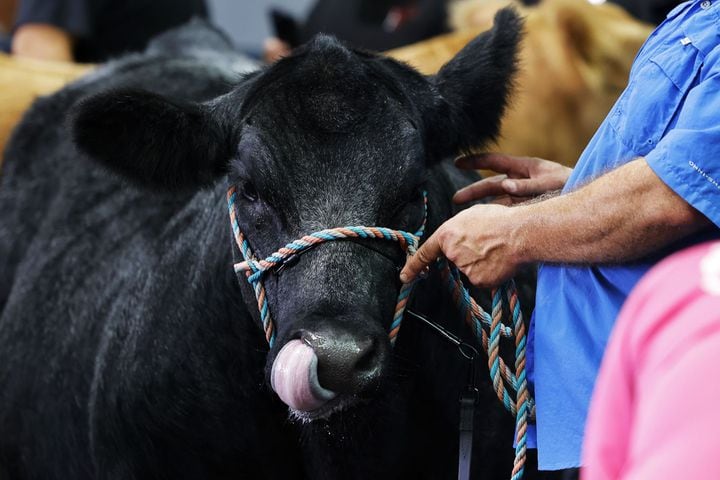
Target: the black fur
(191, 151)
(475, 86)
(130, 350)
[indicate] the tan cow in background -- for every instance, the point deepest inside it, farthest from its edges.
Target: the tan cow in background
(575, 62)
(23, 80)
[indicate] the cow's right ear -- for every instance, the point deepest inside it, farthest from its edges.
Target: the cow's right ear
(153, 140)
(474, 87)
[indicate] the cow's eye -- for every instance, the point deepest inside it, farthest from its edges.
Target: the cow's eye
(415, 199)
(249, 192)
(408, 210)
(418, 196)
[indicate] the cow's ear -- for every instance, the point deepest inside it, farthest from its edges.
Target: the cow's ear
(152, 140)
(474, 86)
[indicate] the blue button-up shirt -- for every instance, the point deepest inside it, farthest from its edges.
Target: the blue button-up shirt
(669, 114)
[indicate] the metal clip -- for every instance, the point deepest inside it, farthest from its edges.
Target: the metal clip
(468, 402)
(289, 262)
(468, 398)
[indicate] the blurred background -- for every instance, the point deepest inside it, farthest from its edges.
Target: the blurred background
(248, 21)
(379, 24)
(574, 61)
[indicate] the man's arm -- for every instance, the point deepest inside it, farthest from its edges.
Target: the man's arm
(623, 215)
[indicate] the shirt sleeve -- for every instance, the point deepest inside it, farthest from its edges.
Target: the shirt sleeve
(687, 158)
(73, 16)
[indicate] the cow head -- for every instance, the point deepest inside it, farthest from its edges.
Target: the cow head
(327, 137)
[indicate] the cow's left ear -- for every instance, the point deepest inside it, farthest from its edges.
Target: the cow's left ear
(153, 140)
(474, 88)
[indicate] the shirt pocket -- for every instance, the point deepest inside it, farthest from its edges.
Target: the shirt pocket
(647, 107)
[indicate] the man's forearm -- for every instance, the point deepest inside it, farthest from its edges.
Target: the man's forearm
(623, 215)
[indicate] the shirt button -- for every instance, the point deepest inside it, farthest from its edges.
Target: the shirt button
(706, 4)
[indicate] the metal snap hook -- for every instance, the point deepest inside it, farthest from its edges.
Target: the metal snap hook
(467, 351)
(289, 262)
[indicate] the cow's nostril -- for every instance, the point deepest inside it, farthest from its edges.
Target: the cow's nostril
(348, 365)
(367, 359)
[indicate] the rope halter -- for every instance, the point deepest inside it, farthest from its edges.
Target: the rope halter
(488, 329)
(255, 269)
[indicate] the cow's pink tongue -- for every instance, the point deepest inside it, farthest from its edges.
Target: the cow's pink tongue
(294, 378)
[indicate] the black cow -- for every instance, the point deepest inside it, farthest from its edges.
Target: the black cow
(130, 350)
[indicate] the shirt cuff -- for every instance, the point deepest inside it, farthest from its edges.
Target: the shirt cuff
(696, 184)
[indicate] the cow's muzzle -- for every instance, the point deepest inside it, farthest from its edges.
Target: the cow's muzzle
(326, 370)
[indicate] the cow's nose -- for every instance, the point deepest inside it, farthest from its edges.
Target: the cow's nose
(347, 363)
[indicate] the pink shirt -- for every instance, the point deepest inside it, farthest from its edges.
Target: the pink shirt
(654, 413)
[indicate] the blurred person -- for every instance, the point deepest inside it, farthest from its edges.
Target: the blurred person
(95, 30)
(369, 24)
(650, 11)
(652, 413)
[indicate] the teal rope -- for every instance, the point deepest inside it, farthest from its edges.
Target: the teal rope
(488, 331)
(246, 252)
(523, 400)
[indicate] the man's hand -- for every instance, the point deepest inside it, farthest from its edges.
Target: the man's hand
(481, 241)
(523, 179)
